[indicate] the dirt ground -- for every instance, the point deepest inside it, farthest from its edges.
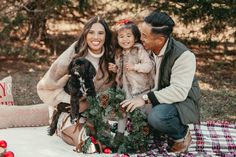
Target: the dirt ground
(25, 76)
(216, 73)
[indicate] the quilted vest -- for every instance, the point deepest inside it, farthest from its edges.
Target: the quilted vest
(188, 109)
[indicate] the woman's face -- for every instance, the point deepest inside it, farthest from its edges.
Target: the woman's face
(96, 38)
(126, 38)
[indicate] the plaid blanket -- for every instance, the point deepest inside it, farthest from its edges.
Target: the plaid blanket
(209, 139)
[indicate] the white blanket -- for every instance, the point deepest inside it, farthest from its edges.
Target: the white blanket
(34, 142)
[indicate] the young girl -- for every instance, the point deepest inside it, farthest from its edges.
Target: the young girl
(133, 64)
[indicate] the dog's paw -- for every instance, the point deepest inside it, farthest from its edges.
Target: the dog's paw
(73, 120)
(51, 131)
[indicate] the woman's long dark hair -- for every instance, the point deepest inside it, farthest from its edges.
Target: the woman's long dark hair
(81, 48)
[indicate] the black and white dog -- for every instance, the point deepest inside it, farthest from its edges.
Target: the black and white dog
(79, 85)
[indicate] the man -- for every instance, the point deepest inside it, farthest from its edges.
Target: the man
(175, 96)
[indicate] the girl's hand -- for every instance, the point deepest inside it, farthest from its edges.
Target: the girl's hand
(129, 67)
(112, 67)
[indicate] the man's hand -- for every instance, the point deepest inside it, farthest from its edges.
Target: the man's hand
(132, 104)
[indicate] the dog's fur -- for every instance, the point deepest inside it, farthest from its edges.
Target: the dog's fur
(80, 84)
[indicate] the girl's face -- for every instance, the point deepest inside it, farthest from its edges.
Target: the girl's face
(126, 38)
(96, 38)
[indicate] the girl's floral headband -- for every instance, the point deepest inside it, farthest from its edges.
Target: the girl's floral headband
(124, 21)
(122, 24)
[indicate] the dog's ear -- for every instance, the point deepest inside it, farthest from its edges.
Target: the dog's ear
(91, 70)
(70, 67)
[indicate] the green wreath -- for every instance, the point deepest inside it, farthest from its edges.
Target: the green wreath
(105, 107)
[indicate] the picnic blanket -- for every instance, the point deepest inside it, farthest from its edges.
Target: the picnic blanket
(209, 139)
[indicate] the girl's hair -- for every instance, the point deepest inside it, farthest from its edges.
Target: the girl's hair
(81, 48)
(126, 24)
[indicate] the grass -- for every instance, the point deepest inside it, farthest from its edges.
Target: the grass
(218, 105)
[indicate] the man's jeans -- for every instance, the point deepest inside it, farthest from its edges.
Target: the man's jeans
(165, 118)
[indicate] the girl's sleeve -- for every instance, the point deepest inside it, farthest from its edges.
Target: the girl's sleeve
(145, 65)
(119, 71)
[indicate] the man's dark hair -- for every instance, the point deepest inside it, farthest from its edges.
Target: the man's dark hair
(161, 23)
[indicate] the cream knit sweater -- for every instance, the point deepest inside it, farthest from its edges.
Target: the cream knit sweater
(51, 87)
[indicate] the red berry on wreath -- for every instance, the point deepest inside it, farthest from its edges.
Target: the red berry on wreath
(8, 154)
(107, 151)
(3, 144)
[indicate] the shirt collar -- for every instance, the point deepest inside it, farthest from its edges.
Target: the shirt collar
(163, 48)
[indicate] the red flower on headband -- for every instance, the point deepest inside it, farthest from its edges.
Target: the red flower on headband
(124, 21)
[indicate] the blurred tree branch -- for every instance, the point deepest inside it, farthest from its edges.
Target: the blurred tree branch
(29, 17)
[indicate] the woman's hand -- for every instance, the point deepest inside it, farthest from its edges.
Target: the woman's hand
(132, 104)
(112, 67)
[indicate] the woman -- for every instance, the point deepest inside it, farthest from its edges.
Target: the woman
(94, 43)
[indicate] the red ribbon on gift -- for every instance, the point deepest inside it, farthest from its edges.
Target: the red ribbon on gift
(93, 140)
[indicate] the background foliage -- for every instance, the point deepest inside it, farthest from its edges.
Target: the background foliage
(25, 24)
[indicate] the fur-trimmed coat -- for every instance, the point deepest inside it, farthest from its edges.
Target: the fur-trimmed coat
(51, 87)
(139, 80)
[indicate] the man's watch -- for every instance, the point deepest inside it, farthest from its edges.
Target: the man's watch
(145, 98)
